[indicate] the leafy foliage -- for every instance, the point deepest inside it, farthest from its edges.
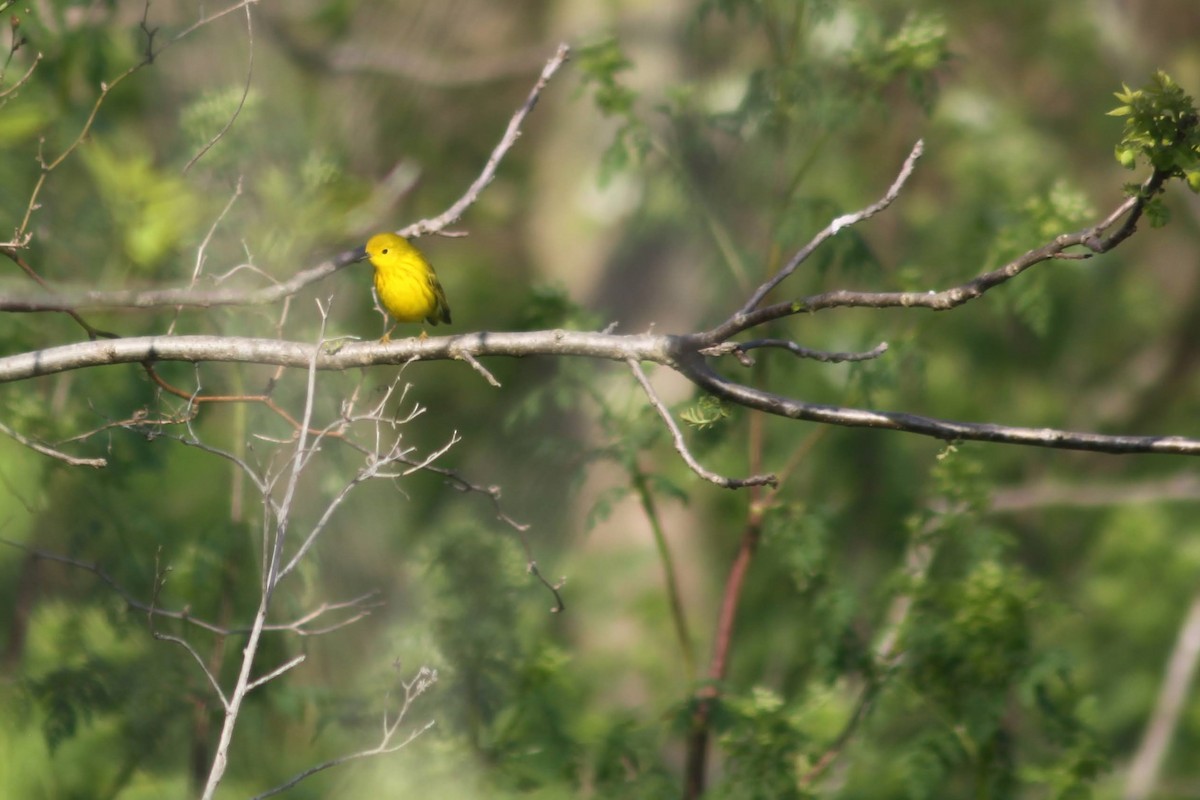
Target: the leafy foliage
(1162, 126)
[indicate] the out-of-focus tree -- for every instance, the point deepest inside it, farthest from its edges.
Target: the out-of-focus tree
(887, 615)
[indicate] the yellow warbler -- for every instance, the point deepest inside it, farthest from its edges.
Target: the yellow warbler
(406, 284)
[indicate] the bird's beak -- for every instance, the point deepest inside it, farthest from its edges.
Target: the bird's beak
(360, 254)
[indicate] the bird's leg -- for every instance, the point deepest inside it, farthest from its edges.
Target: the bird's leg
(387, 335)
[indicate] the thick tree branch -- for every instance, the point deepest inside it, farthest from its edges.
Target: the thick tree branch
(81, 355)
(947, 430)
(677, 352)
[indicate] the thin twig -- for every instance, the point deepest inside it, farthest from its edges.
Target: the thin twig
(511, 134)
(204, 243)
(334, 762)
(1180, 488)
(319, 527)
(424, 463)
(413, 689)
(24, 78)
(681, 445)
(275, 673)
(47, 450)
(131, 601)
(738, 349)
(11, 252)
(670, 577)
(274, 573)
(844, 221)
(160, 581)
(410, 64)
(482, 370)
(241, 103)
(106, 88)
(831, 753)
(1092, 238)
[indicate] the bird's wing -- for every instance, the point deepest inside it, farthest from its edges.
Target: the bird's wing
(442, 311)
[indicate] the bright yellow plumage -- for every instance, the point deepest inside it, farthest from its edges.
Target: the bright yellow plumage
(406, 284)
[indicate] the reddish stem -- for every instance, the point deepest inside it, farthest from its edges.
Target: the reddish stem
(697, 749)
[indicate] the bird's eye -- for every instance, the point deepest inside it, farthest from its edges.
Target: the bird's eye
(384, 251)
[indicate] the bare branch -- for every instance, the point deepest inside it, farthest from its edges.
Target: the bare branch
(424, 463)
(203, 248)
(47, 450)
(832, 228)
(1181, 488)
(482, 370)
(300, 626)
(106, 88)
(413, 689)
(462, 70)
(195, 349)
(1094, 239)
(319, 527)
(200, 23)
(241, 103)
(302, 454)
(273, 545)
(681, 445)
(673, 351)
(275, 673)
(334, 762)
(160, 581)
(193, 441)
(1172, 698)
(511, 134)
(738, 350)
(135, 299)
(112, 583)
(10, 250)
(946, 299)
(947, 430)
(24, 78)
(372, 469)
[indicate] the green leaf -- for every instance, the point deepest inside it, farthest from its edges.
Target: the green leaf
(706, 413)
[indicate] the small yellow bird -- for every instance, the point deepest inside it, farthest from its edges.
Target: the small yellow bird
(405, 282)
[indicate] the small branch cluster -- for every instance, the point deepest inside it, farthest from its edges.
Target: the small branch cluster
(413, 688)
(386, 457)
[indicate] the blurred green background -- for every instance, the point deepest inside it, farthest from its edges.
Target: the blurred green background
(686, 150)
